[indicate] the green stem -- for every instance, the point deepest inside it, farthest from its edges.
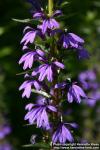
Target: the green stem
(50, 7)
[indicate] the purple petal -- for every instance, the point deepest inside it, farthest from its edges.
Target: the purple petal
(60, 85)
(53, 24)
(77, 38)
(23, 58)
(40, 52)
(35, 115)
(49, 74)
(24, 47)
(57, 13)
(68, 134)
(27, 91)
(29, 37)
(79, 90)
(83, 53)
(36, 71)
(29, 106)
(43, 72)
(23, 85)
(65, 42)
(74, 125)
(58, 64)
(37, 15)
(52, 108)
(55, 137)
(70, 96)
(44, 26)
(37, 85)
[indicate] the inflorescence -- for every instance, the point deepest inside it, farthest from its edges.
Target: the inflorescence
(43, 45)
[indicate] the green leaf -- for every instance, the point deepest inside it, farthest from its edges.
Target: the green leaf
(2, 30)
(5, 51)
(26, 20)
(22, 21)
(64, 4)
(24, 72)
(42, 93)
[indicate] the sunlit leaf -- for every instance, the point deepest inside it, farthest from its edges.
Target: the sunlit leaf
(2, 30)
(42, 93)
(5, 51)
(25, 20)
(64, 4)
(24, 72)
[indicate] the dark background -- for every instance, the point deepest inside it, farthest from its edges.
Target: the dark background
(82, 17)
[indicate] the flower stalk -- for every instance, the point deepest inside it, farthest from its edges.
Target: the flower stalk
(47, 80)
(50, 7)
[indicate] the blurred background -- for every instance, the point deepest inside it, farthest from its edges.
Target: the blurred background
(82, 18)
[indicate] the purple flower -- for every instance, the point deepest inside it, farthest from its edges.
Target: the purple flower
(88, 75)
(38, 15)
(4, 130)
(60, 85)
(48, 22)
(38, 114)
(94, 96)
(57, 13)
(91, 102)
(30, 57)
(41, 100)
(74, 92)
(71, 40)
(63, 134)
(5, 146)
(47, 70)
(82, 53)
(27, 87)
(41, 15)
(88, 79)
(30, 35)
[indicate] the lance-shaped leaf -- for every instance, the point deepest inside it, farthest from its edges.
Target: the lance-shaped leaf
(41, 93)
(64, 4)
(26, 21)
